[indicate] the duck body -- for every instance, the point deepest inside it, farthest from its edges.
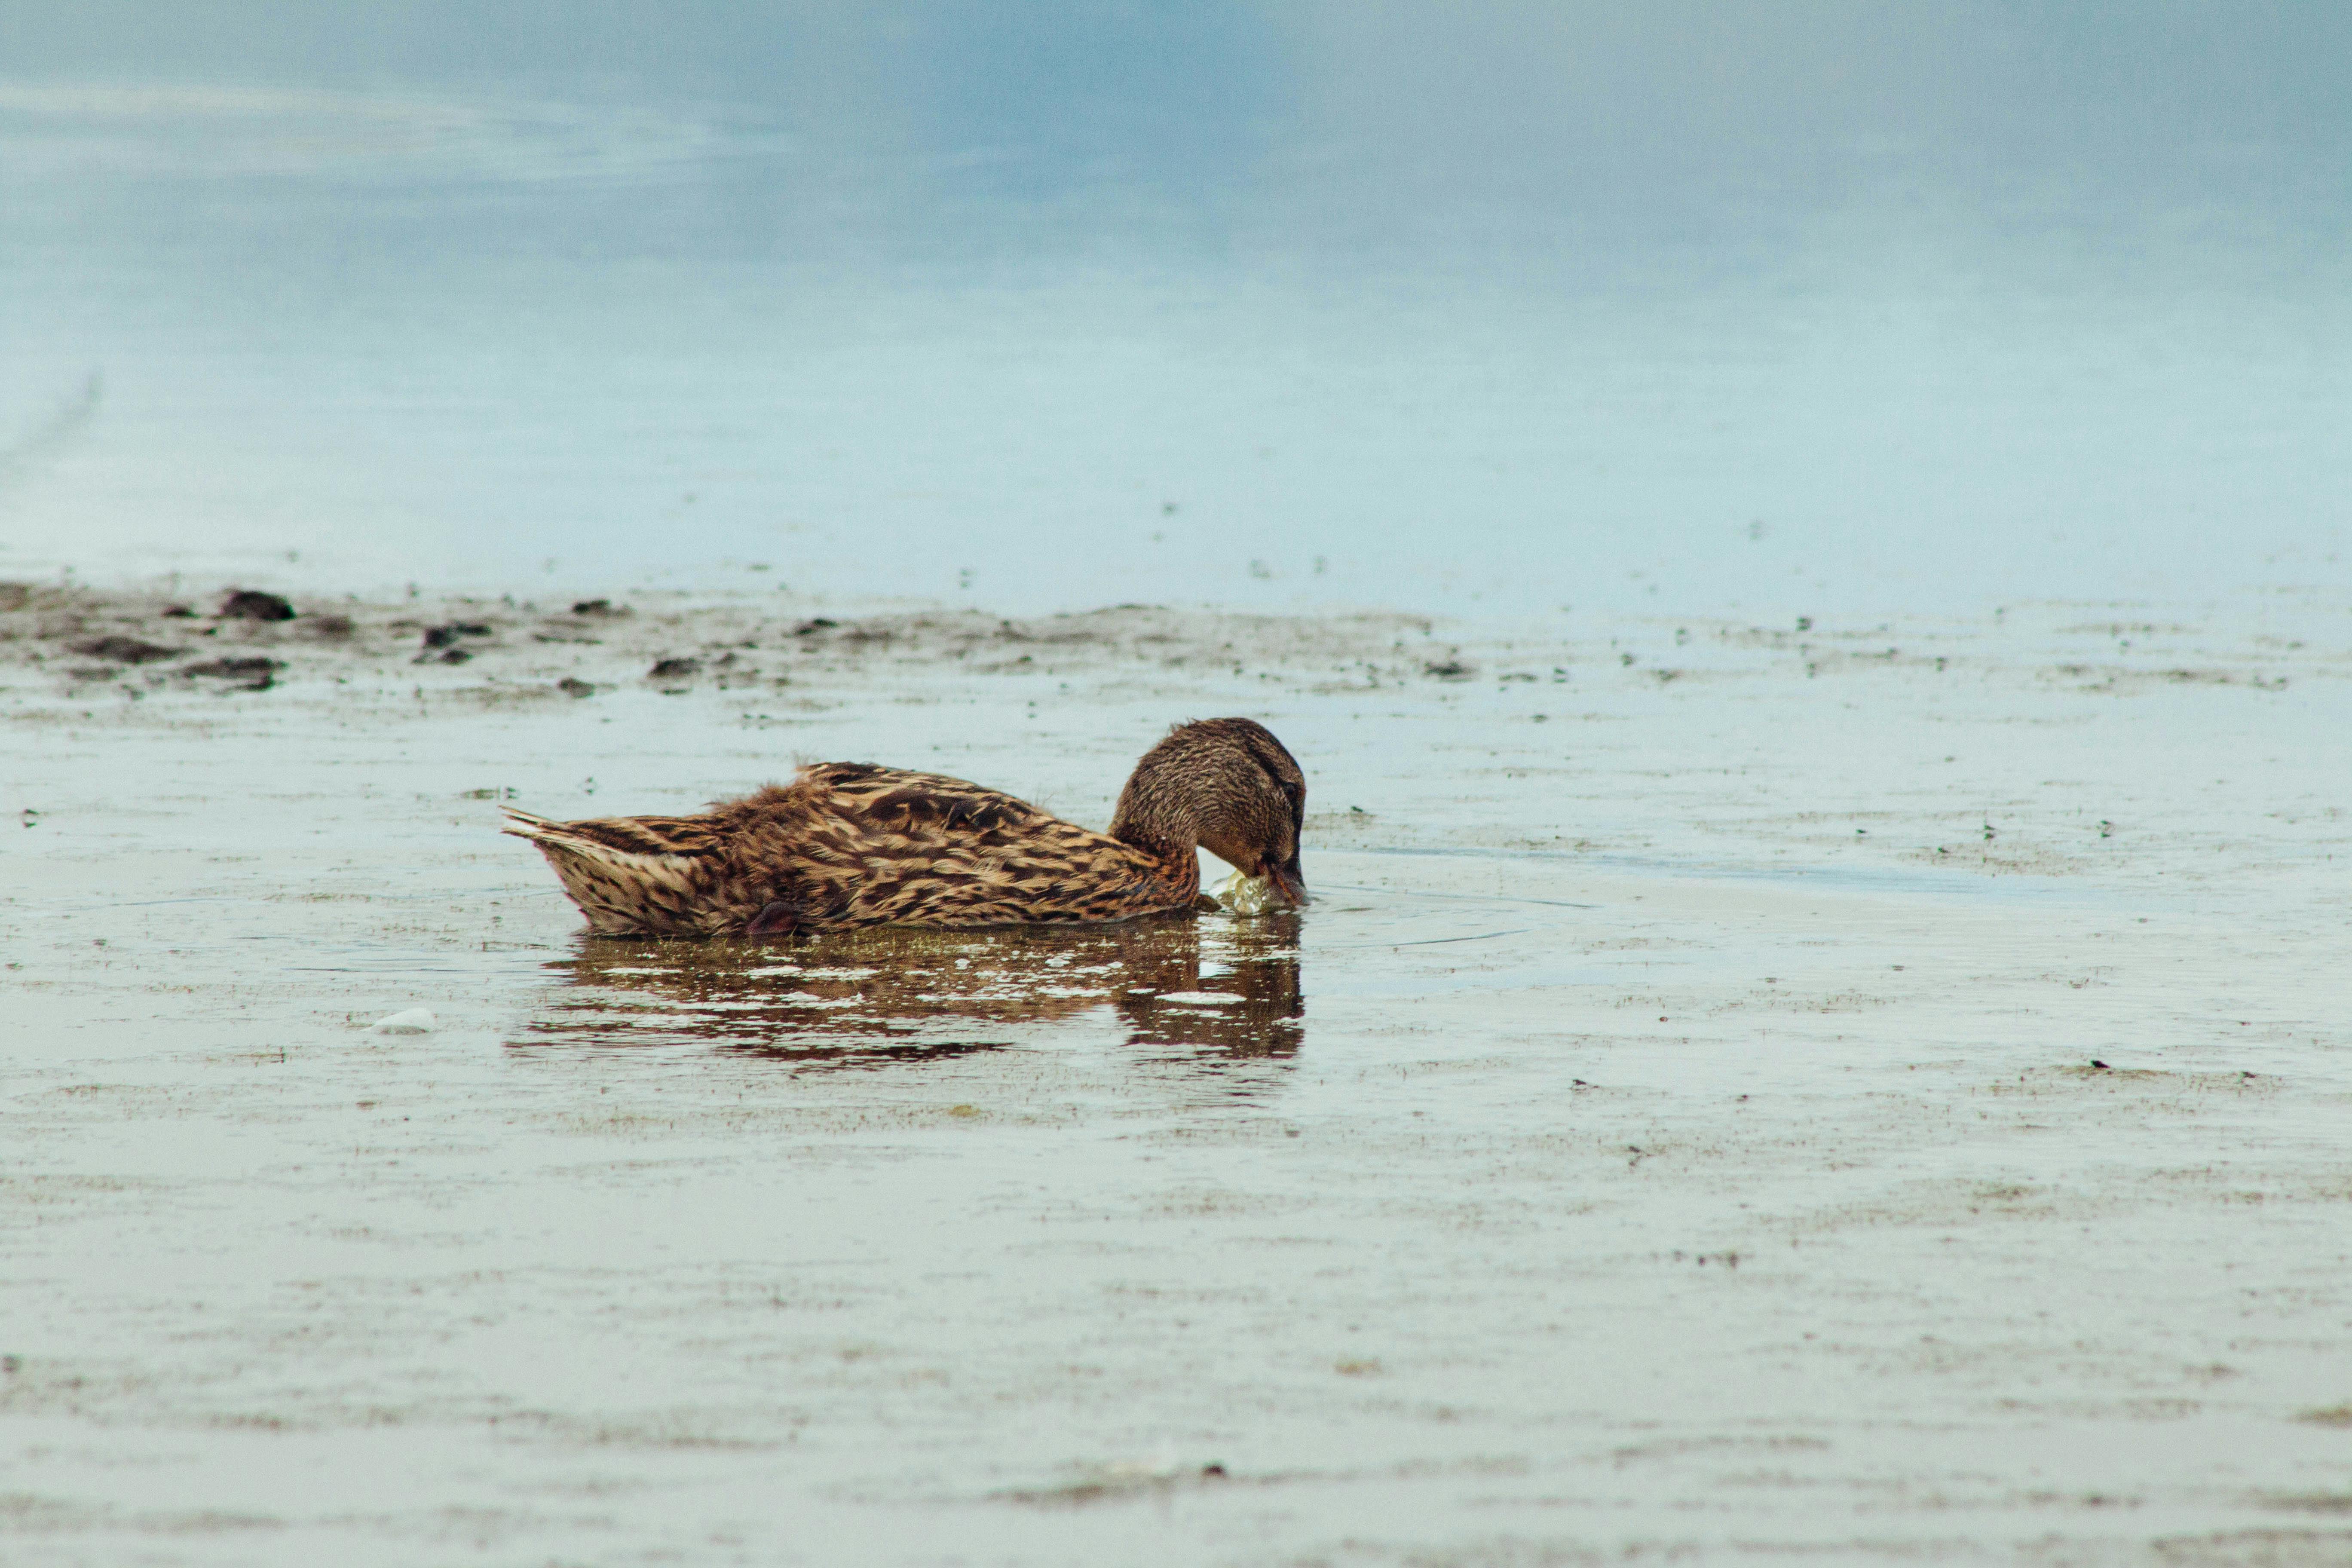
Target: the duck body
(846, 845)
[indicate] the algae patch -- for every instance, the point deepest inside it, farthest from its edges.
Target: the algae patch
(1243, 894)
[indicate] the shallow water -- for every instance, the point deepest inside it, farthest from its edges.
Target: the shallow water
(1676, 1125)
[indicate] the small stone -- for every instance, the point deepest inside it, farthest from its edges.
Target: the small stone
(674, 668)
(573, 686)
(413, 1021)
(253, 605)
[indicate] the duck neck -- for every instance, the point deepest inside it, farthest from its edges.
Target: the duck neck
(1167, 837)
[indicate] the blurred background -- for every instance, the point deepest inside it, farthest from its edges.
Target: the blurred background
(1721, 308)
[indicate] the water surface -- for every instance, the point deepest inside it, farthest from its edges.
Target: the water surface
(1861, 310)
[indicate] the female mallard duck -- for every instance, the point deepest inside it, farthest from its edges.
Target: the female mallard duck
(850, 844)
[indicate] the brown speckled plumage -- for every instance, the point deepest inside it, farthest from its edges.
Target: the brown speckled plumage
(850, 844)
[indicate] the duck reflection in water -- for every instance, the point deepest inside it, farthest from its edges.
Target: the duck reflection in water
(1202, 989)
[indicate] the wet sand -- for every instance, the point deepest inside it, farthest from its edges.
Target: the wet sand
(1859, 1090)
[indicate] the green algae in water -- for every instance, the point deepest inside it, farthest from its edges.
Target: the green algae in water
(1245, 895)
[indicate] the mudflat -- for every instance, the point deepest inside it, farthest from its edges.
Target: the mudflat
(1871, 1091)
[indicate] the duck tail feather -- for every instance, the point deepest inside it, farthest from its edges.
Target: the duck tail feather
(526, 825)
(622, 890)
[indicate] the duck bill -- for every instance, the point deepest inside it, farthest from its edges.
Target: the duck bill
(1289, 881)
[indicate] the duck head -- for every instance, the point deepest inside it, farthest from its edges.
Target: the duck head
(1227, 786)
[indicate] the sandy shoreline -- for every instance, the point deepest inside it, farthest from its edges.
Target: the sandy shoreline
(1674, 1127)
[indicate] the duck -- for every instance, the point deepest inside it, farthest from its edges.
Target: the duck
(849, 844)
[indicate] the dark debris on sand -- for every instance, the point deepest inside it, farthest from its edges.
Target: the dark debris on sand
(117, 648)
(250, 674)
(764, 646)
(447, 636)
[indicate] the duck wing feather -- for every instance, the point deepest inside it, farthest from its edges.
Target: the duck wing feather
(851, 844)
